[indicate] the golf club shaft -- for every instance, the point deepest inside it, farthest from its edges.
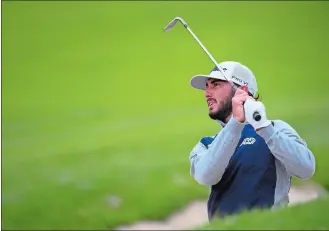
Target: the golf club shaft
(208, 53)
(256, 114)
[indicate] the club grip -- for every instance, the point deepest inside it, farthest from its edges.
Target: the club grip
(257, 116)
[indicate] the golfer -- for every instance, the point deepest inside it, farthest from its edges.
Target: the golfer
(248, 164)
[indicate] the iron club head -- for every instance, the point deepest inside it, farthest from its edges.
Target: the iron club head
(173, 23)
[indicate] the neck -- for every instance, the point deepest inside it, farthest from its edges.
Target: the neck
(223, 123)
(228, 118)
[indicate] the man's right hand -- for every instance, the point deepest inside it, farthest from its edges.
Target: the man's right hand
(238, 100)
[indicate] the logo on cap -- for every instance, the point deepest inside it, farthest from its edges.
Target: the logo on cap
(216, 69)
(240, 80)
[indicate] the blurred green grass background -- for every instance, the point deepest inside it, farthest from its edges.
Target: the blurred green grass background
(98, 117)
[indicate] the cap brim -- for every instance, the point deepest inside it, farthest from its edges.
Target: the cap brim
(200, 81)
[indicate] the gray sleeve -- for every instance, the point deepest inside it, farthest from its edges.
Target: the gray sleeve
(287, 146)
(208, 165)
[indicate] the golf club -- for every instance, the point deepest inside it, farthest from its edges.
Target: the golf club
(256, 114)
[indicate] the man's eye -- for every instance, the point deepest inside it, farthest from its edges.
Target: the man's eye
(216, 84)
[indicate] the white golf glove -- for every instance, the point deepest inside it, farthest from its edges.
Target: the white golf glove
(250, 106)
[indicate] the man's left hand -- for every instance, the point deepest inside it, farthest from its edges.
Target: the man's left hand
(250, 106)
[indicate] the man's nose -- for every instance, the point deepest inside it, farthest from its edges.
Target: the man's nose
(207, 93)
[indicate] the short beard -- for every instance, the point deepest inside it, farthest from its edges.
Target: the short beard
(224, 111)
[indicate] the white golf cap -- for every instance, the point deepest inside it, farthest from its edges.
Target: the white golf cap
(234, 71)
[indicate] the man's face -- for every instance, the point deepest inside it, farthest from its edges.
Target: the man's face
(219, 96)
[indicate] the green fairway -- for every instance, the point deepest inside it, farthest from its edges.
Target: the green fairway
(302, 217)
(98, 117)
